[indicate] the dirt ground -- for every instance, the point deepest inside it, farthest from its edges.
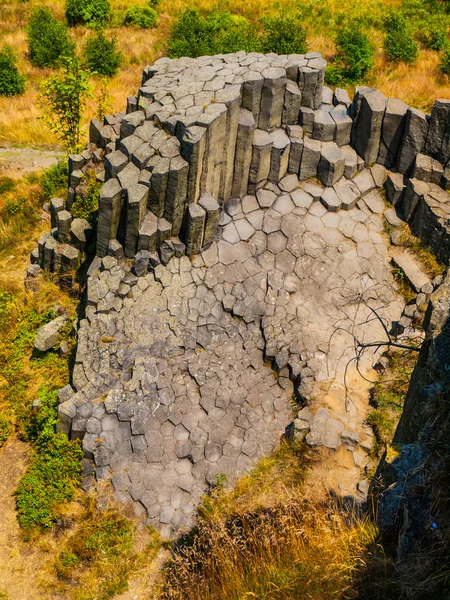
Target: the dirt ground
(17, 162)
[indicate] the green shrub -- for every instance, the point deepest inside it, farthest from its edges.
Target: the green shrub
(444, 64)
(54, 471)
(398, 43)
(434, 36)
(284, 35)
(154, 3)
(101, 55)
(4, 429)
(87, 12)
(86, 205)
(353, 58)
(141, 16)
(12, 83)
(218, 32)
(48, 40)
(54, 180)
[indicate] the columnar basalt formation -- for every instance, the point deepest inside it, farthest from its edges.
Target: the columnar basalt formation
(240, 221)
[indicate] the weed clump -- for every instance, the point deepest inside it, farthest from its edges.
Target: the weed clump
(144, 17)
(399, 44)
(48, 40)
(101, 55)
(12, 83)
(353, 59)
(86, 204)
(283, 35)
(54, 180)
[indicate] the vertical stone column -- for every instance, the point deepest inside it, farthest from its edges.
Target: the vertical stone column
(136, 209)
(413, 140)
(251, 92)
(272, 98)
(260, 163)
(231, 97)
(243, 157)
(193, 145)
(367, 125)
(148, 233)
(211, 208)
(158, 186)
(392, 132)
(64, 223)
(438, 139)
(292, 103)
(176, 193)
(214, 119)
(295, 133)
(109, 209)
(193, 230)
(279, 158)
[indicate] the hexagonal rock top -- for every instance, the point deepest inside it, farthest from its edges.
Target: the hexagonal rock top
(172, 385)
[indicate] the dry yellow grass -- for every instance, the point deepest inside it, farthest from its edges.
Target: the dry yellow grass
(418, 85)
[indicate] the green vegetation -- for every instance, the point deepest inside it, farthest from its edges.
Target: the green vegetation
(87, 12)
(54, 471)
(353, 59)
(388, 397)
(444, 63)
(101, 55)
(399, 44)
(64, 98)
(141, 16)
(86, 205)
(100, 556)
(54, 180)
(48, 40)
(12, 83)
(283, 35)
(265, 540)
(434, 35)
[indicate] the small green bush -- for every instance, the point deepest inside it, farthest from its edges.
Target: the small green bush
(434, 36)
(87, 12)
(48, 40)
(353, 58)
(398, 43)
(444, 64)
(54, 471)
(101, 55)
(219, 32)
(141, 16)
(154, 3)
(86, 205)
(54, 180)
(12, 83)
(283, 35)
(4, 429)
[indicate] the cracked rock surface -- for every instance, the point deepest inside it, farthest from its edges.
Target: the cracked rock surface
(172, 375)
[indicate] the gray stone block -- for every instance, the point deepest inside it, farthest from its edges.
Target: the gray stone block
(243, 156)
(394, 187)
(295, 133)
(148, 233)
(130, 123)
(194, 227)
(81, 233)
(414, 190)
(192, 150)
(48, 335)
(413, 141)
(392, 132)
(176, 193)
(272, 98)
(279, 158)
(310, 158)
(344, 124)
(367, 126)
(260, 163)
(158, 187)
(292, 103)
(109, 205)
(331, 165)
(306, 119)
(114, 163)
(140, 263)
(324, 126)
(211, 208)
(251, 92)
(136, 209)
(64, 219)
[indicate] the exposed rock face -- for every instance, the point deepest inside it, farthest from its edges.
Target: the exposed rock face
(407, 508)
(214, 255)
